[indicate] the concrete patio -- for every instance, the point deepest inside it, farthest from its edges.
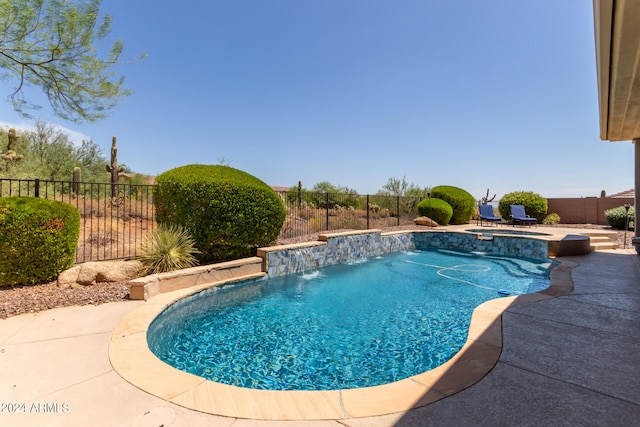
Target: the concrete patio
(571, 360)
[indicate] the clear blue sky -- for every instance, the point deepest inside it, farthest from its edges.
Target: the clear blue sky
(499, 94)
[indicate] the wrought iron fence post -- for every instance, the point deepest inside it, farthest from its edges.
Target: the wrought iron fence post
(398, 208)
(327, 207)
(36, 187)
(368, 212)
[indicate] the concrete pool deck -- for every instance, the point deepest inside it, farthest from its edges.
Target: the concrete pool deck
(570, 360)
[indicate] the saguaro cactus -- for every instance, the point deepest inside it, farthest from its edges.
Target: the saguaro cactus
(11, 154)
(114, 169)
(486, 200)
(77, 179)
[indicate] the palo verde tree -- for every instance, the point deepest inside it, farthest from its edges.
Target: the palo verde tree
(402, 188)
(409, 196)
(336, 196)
(51, 45)
(48, 153)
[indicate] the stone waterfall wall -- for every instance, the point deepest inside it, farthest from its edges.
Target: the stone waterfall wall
(351, 247)
(522, 246)
(341, 248)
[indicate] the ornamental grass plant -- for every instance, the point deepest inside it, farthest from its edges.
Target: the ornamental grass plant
(168, 248)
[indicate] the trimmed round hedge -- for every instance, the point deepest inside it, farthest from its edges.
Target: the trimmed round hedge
(461, 201)
(437, 209)
(534, 204)
(618, 218)
(38, 239)
(228, 213)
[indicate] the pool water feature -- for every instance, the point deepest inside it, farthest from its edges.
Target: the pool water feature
(341, 326)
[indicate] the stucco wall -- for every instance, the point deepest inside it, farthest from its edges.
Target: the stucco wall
(587, 210)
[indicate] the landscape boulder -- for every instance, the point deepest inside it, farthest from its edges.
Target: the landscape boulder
(423, 220)
(90, 273)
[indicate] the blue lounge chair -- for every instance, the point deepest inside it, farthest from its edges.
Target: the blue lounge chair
(519, 216)
(486, 214)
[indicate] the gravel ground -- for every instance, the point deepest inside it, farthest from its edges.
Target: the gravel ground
(35, 298)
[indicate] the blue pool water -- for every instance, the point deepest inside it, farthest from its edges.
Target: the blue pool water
(343, 326)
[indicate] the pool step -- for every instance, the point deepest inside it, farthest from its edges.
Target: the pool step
(600, 246)
(602, 240)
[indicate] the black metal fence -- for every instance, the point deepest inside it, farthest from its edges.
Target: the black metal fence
(309, 212)
(114, 219)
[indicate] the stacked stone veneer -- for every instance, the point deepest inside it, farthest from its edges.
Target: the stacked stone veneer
(522, 246)
(350, 247)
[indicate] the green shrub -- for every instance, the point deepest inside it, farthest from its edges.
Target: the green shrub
(534, 204)
(437, 209)
(167, 248)
(461, 201)
(38, 239)
(617, 217)
(552, 219)
(228, 212)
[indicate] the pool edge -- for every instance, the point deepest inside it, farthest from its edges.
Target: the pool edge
(131, 358)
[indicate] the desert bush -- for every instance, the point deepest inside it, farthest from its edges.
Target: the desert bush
(460, 201)
(102, 233)
(299, 199)
(324, 195)
(347, 222)
(332, 200)
(534, 204)
(228, 212)
(394, 205)
(167, 248)
(437, 209)
(38, 239)
(317, 224)
(476, 214)
(551, 219)
(618, 217)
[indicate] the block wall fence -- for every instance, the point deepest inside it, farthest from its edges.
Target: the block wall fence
(587, 210)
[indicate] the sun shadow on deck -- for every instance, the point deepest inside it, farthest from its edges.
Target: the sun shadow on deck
(570, 360)
(474, 361)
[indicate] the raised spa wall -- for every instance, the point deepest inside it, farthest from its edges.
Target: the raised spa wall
(344, 248)
(350, 247)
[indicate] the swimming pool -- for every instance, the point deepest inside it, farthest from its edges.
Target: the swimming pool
(342, 326)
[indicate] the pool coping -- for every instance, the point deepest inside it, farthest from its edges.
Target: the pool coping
(132, 359)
